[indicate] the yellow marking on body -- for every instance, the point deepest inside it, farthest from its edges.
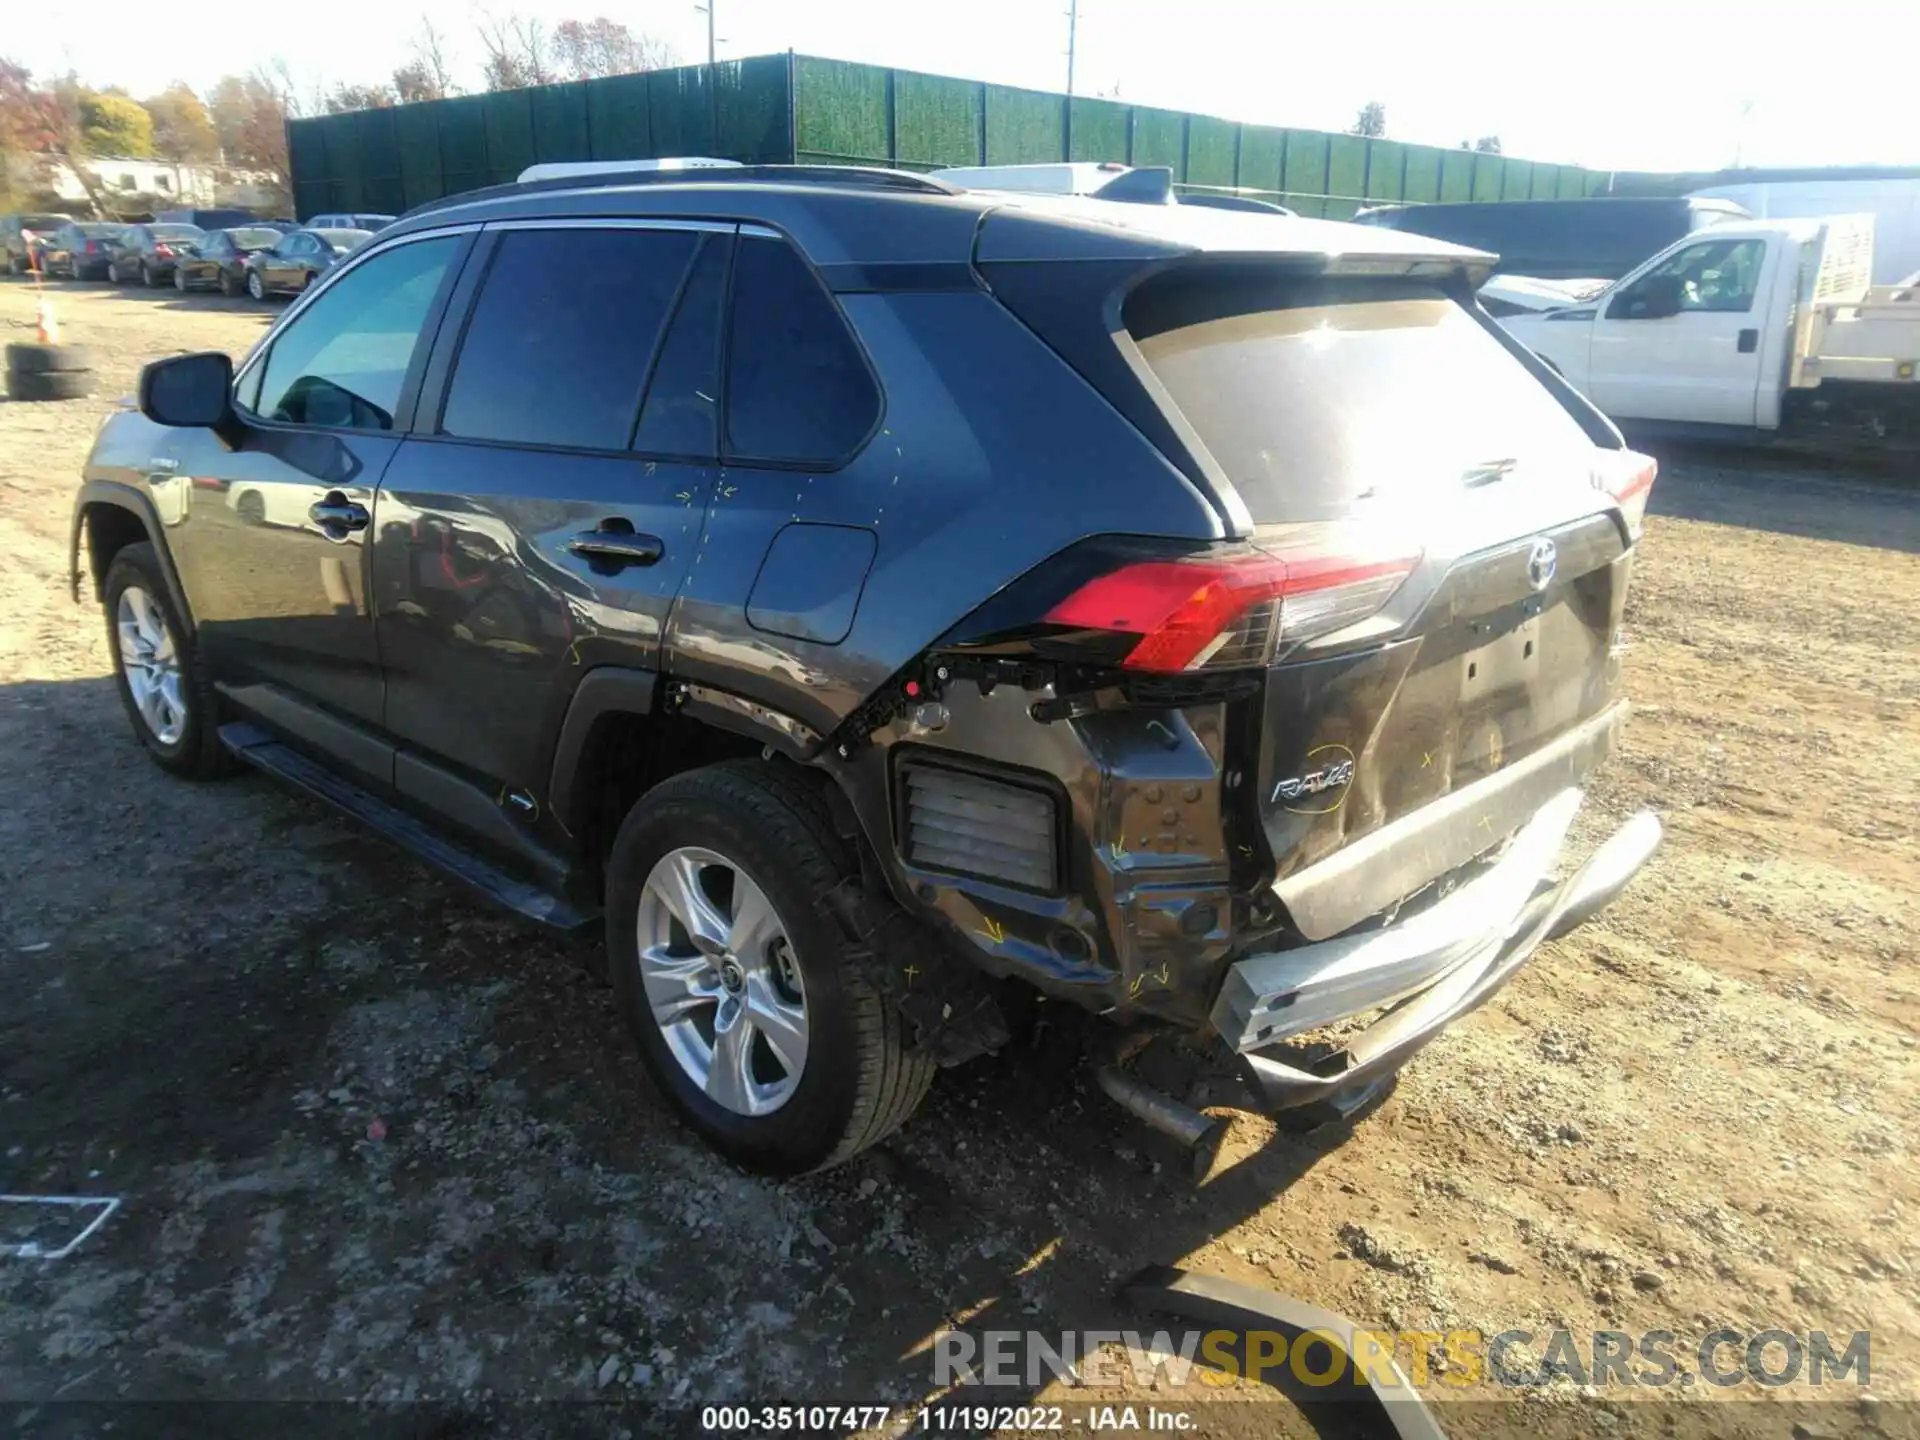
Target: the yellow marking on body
(993, 931)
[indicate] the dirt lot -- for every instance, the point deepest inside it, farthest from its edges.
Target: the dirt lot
(1701, 1110)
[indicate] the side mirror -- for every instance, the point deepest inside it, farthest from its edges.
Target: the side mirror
(1658, 298)
(190, 392)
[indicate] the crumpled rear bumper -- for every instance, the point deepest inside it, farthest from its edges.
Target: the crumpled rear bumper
(1437, 965)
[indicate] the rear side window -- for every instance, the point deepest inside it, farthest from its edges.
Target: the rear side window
(556, 352)
(1314, 395)
(683, 402)
(798, 388)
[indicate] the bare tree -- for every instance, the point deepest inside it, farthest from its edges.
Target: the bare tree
(1488, 145)
(1371, 121)
(519, 52)
(428, 72)
(343, 98)
(587, 49)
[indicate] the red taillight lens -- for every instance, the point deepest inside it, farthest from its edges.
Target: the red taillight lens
(1208, 613)
(88, 247)
(163, 250)
(1627, 477)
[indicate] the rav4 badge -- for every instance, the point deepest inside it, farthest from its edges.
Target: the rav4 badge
(1331, 779)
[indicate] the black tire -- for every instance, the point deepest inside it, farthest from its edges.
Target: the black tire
(860, 1080)
(26, 358)
(251, 507)
(147, 277)
(197, 753)
(229, 287)
(50, 385)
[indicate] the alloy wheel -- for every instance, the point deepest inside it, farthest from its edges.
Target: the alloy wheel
(720, 976)
(150, 661)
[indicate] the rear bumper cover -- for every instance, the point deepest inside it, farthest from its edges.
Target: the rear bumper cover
(1434, 967)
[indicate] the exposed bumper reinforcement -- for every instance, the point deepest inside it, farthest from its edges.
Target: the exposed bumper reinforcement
(1441, 963)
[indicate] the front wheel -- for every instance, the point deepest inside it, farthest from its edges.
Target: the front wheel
(158, 670)
(179, 279)
(751, 1011)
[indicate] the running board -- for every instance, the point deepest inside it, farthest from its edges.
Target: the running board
(416, 837)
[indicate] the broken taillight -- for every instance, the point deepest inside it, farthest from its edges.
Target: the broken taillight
(1223, 612)
(1627, 478)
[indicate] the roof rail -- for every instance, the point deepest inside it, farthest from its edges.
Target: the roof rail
(574, 169)
(859, 176)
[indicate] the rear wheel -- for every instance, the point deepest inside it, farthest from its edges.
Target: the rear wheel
(229, 286)
(251, 507)
(180, 279)
(751, 1012)
(147, 277)
(158, 669)
(254, 287)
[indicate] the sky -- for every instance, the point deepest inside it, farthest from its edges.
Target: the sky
(1627, 85)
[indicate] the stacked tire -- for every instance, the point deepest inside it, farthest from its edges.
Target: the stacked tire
(49, 372)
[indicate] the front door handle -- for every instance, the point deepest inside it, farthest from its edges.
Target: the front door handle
(337, 516)
(1749, 341)
(617, 548)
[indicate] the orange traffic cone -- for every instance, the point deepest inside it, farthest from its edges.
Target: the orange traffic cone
(49, 323)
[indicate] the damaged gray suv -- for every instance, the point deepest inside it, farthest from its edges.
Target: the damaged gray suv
(857, 597)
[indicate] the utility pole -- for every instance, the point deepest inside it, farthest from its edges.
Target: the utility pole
(709, 8)
(1073, 35)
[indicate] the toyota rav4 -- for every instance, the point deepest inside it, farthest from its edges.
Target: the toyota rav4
(856, 596)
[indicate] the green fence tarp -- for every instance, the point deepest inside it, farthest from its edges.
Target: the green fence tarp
(1423, 173)
(1024, 127)
(1305, 182)
(1100, 130)
(1160, 138)
(1263, 156)
(778, 108)
(1213, 152)
(939, 121)
(1386, 170)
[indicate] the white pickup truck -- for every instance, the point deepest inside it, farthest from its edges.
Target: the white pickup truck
(1762, 328)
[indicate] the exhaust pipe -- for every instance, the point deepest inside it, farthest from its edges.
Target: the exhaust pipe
(1201, 1134)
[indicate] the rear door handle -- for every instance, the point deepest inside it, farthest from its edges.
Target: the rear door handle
(336, 513)
(1749, 341)
(617, 548)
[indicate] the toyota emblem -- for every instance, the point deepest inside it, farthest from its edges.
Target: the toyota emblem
(1542, 562)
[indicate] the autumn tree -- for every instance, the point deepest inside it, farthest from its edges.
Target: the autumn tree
(113, 124)
(519, 52)
(249, 114)
(343, 98)
(182, 129)
(428, 71)
(589, 49)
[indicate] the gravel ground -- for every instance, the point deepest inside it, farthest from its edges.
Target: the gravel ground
(373, 1142)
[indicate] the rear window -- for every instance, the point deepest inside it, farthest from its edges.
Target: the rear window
(561, 337)
(42, 222)
(1314, 395)
(176, 232)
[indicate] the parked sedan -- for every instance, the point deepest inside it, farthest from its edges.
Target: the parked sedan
(151, 252)
(356, 220)
(291, 266)
(220, 260)
(19, 237)
(78, 250)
